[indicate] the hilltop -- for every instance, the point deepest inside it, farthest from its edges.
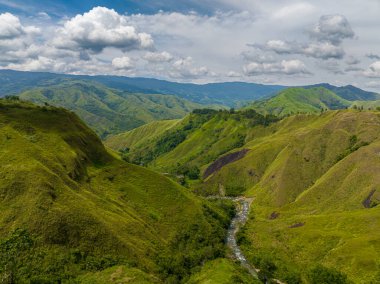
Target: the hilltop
(313, 176)
(109, 111)
(349, 92)
(301, 100)
(229, 94)
(72, 212)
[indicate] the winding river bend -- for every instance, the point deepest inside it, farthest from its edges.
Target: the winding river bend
(242, 210)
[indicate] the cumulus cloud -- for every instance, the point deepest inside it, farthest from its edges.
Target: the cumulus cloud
(158, 57)
(100, 28)
(97, 41)
(373, 70)
(122, 63)
(287, 67)
(321, 50)
(332, 28)
(10, 27)
(326, 39)
(184, 68)
(324, 50)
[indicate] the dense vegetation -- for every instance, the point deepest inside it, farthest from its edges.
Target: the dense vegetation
(315, 183)
(109, 111)
(201, 126)
(72, 213)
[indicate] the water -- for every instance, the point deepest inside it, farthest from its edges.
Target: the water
(241, 217)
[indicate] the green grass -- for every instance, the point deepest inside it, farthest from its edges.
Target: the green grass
(314, 170)
(141, 135)
(120, 275)
(110, 111)
(69, 208)
(299, 100)
(222, 271)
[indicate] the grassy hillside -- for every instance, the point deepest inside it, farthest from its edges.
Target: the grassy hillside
(191, 143)
(314, 179)
(222, 271)
(315, 183)
(109, 111)
(71, 212)
(350, 93)
(300, 100)
(141, 135)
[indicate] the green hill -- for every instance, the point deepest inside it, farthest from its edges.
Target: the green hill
(314, 179)
(349, 92)
(72, 213)
(300, 100)
(109, 111)
(140, 135)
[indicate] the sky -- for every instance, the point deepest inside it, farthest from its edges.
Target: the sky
(272, 42)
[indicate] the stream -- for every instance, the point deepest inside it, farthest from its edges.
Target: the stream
(242, 210)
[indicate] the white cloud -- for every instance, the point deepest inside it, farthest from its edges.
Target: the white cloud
(44, 16)
(158, 57)
(122, 63)
(332, 28)
(234, 74)
(286, 67)
(316, 33)
(100, 28)
(373, 70)
(324, 50)
(294, 10)
(10, 27)
(184, 68)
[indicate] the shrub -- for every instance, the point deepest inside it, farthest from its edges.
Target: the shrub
(324, 275)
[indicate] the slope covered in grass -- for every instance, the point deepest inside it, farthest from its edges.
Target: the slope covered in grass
(349, 92)
(316, 187)
(222, 271)
(141, 135)
(109, 111)
(300, 100)
(69, 209)
(314, 179)
(195, 141)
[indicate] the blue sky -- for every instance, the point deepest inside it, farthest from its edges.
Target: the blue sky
(292, 42)
(72, 7)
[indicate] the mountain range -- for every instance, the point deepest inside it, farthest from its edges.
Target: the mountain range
(148, 191)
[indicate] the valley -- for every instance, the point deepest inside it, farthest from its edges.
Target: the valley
(284, 189)
(189, 142)
(306, 173)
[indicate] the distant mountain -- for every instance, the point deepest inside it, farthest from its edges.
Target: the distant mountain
(349, 92)
(109, 111)
(232, 94)
(300, 100)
